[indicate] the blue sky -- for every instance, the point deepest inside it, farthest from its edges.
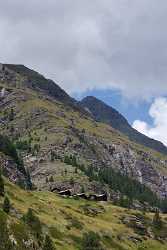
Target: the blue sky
(148, 117)
(128, 108)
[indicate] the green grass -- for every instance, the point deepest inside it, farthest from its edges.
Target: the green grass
(66, 221)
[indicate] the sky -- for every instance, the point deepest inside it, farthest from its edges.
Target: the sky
(114, 49)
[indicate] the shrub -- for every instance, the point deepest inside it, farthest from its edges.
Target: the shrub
(74, 222)
(55, 233)
(23, 145)
(91, 241)
(48, 243)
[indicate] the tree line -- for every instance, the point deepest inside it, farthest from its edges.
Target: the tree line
(132, 189)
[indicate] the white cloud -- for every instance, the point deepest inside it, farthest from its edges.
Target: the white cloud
(158, 112)
(87, 44)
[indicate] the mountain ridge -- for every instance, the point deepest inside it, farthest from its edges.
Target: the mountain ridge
(108, 114)
(36, 80)
(47, 132)
(105, 113)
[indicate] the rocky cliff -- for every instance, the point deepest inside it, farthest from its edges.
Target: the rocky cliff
(47, 125)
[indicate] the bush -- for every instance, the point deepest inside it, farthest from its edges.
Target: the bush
(23, 145)
(48, 244)
(91, 241)
(74, 222)
(55, 233)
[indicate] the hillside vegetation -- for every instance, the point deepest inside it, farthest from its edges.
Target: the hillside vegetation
(67, 220)
(49, 145)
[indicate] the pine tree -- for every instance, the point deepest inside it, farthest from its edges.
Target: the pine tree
(5, 243)
(67, 160)
(11, 115)
(6, 205)
(48, 244)
(74, 161)
(82, 189)
(52, 156)
(2, 189)
(29, 182)
(157, 220)
(76, 170)
(33, 222)
(51, 179)
(164, 205)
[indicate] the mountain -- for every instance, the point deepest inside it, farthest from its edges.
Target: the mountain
(45, 123)
(83, 175)
(104, 113)
(34, 80)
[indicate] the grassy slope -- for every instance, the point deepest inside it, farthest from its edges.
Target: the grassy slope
(57, 213)
(62, 216)
(101, 130)
(34, 101)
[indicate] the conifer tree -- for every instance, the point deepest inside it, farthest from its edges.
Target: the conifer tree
(82, 189)
(33, 222)
(52, 156)
(2, 189)
(11, 115)
(6, 205)
(157, 220)
(5, 243)
(74, 161)
(48, 244)
(51, 179)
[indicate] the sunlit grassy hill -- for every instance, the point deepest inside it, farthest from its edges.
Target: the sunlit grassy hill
(66, 220)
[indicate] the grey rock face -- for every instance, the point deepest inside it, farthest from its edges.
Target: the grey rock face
(9, 169)
(97, 152)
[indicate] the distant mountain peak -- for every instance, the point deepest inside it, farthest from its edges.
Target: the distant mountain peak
(106, 114)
